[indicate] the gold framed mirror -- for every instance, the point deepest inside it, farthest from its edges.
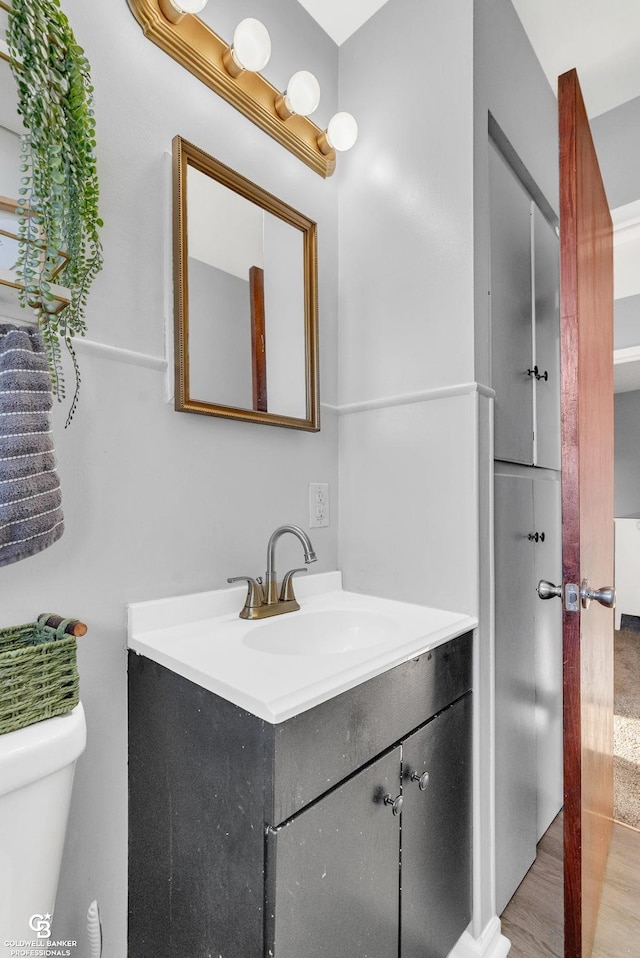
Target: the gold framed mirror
(245, 290)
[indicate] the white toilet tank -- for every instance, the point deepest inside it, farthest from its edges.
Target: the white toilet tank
(36, 775)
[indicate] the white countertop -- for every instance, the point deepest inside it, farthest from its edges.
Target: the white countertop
(202, 638)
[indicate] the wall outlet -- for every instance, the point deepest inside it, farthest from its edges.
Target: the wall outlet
(318, 504)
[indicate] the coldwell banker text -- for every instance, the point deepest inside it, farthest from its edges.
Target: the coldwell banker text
(40, 949)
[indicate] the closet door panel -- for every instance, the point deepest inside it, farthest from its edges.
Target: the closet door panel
(548, 654)
(511, 313)
(547, 341)
(516, 776)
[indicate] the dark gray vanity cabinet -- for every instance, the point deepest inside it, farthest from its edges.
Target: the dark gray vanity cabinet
(348, 876)
(253, 840)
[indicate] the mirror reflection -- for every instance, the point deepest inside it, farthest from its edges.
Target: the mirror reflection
(245, 298)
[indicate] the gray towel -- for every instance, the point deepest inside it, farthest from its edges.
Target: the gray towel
(30, 501)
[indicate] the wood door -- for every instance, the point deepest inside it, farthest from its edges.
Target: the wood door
(586, 269)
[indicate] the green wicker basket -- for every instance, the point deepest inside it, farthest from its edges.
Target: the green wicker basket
(38, 673)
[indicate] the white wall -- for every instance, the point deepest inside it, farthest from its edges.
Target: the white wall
(406, 299)
(627, 564)
(160, 503)
(627, 455)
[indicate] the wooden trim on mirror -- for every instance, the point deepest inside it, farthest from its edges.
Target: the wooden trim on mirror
(187, 155)
(197, 48)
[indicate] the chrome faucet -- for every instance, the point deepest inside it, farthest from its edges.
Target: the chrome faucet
(263, 599)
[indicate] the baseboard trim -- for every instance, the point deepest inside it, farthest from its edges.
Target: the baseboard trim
(490, 944)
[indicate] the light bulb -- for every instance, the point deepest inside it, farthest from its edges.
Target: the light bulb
(251, 48)
(302, 95)
(342, 131)
(190, 6)
(175, 10)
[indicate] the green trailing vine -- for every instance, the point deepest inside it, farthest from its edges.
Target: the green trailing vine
(58, 201)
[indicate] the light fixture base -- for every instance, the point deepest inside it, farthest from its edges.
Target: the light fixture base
(170, 11)
(233, 69)
(282, 109)
(194, 45)
(323, 144)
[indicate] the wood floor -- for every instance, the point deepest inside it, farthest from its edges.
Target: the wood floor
(533, 919)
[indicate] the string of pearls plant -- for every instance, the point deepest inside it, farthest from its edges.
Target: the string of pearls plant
(58, 201)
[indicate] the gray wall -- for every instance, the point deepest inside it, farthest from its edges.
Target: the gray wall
(406, 308)
(627, 322)
(627, 454)
(159, 503)
(616, 135)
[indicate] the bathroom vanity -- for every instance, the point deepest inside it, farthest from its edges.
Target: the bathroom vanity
(341, 829)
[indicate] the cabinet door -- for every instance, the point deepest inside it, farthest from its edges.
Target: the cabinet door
(515, 688)
(547, 342)
(333, 872)
(435, 901)
(548, 654)
(511, 313)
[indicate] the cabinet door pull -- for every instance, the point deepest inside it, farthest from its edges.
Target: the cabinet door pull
(396, 803)
(537, 374)
(536, 537)
(422, 780)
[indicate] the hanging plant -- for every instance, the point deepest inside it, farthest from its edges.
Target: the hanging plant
(58, 201)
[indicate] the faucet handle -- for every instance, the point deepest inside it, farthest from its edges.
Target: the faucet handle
(286, 589)
(254, 593)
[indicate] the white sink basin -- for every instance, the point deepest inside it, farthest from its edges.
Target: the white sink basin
(328, 632)
(280, 666)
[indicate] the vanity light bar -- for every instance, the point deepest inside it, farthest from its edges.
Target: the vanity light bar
(232, 73)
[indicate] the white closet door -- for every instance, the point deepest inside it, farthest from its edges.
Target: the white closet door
(511, 313)
(516, 772)
(548, 653)
(547, 342)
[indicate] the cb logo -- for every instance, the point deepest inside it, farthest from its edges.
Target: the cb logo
(41, 924)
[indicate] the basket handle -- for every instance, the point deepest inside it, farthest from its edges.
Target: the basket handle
(71, 626)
